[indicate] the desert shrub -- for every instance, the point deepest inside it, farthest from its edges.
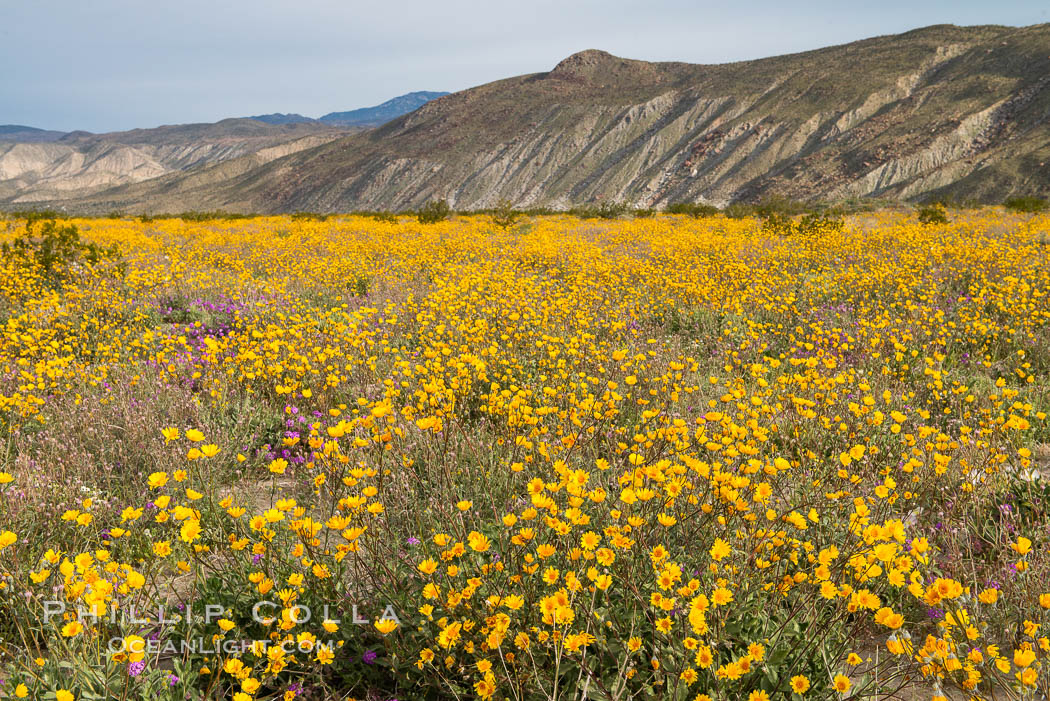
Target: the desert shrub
(308, 216)
(806, 225)
(739, 210)
(504, 215)
(852, 206)
(433, 212)
(359, 285)
(194, 216)
(1026, 205)
(56, 248)
(955, 202)
(933, 214)
(387, 217)
(604, 210)
(32, 216)
(779, 205)
(692, 209)
(37, 214)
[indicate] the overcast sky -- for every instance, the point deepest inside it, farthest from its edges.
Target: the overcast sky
(104, 65)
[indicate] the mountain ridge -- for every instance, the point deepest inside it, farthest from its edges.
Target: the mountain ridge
(39, 165)
(25, 134)
(940, 110)
(381, 113)
(374, 116)
(282, 118)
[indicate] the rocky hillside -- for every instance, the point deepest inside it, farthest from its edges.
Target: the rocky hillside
(949, 110)
(78, 164)
(65, 169)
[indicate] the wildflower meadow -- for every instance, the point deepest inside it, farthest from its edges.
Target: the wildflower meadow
(655, 457)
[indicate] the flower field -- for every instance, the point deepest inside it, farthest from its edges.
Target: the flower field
(654, 458)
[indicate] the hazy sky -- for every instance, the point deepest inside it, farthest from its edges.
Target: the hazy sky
(104, 65)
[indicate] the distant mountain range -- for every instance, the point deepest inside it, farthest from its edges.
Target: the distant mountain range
(18, 132)
(364, 117)
(938, 111)
(38, 165)
(279, 118)
(381, 114)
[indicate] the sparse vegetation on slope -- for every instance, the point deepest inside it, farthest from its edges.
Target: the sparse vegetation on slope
(939, 112)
